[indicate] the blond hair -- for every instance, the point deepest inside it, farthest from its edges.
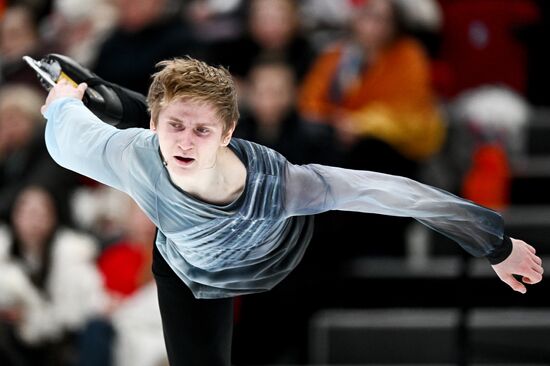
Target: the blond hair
(188, 78)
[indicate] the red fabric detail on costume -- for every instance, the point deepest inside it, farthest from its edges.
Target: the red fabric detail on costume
(121, 265)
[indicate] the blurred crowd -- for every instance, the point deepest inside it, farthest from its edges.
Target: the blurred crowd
(363, 84)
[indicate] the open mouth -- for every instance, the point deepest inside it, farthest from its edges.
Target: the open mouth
(184, 160)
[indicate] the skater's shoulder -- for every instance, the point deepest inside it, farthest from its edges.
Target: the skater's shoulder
(258, 157)
(143, 145)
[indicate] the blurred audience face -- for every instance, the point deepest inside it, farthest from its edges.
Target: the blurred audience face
(272, 22)
(137, 14)
(34, 217)
(271, 92)
(18, 35)
(73, 20)
(374, 24)
(19, 111)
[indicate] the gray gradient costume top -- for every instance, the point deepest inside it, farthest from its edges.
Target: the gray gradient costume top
(252, 243)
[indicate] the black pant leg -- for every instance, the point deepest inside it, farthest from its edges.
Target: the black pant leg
(196, 331)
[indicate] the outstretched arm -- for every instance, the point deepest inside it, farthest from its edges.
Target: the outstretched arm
(77, 140)
(312, 189)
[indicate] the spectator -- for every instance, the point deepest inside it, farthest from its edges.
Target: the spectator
(374, 88)
(273, 120)
(23, 155)
(273, 30)
(145, 34)
(494, 120)
(130, 331)
(18, 37)
(49, 285)
(215, 20)
(126, 263)
(77, 28)
(100, 210)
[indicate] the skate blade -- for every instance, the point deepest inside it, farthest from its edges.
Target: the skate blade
(37, 66)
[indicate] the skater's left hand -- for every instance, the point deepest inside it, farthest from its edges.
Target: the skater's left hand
(64, 89)
(524, 262)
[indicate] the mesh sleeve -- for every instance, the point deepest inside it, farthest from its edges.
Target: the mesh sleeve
(311, 189)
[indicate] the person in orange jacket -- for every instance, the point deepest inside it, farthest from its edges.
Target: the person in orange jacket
(376, 86)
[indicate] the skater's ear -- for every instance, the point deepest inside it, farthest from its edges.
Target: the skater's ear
(152, 125)
(228, 133)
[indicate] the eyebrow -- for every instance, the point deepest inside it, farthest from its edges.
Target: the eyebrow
(176, 119)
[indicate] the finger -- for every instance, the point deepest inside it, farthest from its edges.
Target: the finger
(537, 268)
(531, 249)
(532, 277)
(537, 260)
(81, 89)
(514, 284)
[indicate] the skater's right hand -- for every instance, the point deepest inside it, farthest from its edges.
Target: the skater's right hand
(64, 89)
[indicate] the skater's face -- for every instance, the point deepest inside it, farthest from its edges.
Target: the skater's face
(190, 136)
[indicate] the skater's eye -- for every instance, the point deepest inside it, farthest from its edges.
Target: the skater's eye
(176, 125)
(202, 130)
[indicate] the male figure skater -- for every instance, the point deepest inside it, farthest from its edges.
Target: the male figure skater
(234, 217)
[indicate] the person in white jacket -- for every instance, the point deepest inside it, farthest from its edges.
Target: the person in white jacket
(49, 284)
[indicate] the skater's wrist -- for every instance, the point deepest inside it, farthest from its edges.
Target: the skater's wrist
(57, 104)
(500, 253)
